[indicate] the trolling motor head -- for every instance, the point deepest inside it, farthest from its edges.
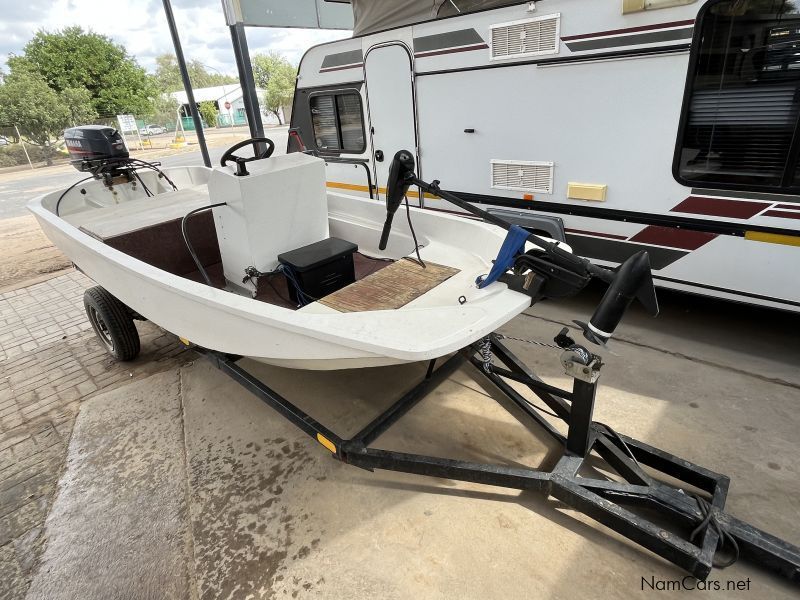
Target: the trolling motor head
(401, 175)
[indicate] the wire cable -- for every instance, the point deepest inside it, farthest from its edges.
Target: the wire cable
(485, 350)
(367, 256)
(69, 189)
(302, 297)
(277, 292)
(724, 537)
(155, 168)
(413, 234)
(144, 186)
(618, 437)
(188, 243)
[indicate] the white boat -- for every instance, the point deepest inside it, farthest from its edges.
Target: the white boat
(126, 236)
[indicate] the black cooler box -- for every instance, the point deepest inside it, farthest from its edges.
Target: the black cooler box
(321, 268)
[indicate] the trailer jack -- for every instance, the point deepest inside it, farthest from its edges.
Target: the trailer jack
(693, 501)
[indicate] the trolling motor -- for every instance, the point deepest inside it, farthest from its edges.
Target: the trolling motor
(549, 272)
(397, 187)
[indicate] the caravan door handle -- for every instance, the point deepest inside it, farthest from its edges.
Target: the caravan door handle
(379, 155)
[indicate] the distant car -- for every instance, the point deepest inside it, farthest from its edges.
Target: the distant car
(3, 141)
(152, 130)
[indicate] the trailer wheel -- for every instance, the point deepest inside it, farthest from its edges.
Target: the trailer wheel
(112, 322)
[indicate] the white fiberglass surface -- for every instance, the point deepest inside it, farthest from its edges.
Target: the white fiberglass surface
(94, 194)
(432, 325)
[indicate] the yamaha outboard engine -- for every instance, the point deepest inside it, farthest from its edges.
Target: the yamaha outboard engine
(96, 149)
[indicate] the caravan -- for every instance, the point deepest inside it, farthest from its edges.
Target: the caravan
(621, 125)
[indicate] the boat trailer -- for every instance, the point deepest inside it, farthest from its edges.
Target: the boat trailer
(695, 505)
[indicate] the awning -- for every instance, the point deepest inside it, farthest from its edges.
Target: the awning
(376, 15)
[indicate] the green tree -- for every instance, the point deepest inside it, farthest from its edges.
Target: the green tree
(73, 58)
(168, 75)
(164, 109)
(41, 113)
(277, 76)
(208, 110)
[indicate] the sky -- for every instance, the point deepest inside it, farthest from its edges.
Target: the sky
(140, 26)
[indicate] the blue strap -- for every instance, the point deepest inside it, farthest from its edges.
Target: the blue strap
(513, 245)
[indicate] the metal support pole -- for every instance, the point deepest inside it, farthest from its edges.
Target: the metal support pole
(249, 93)
(580, 418)
(187, 83)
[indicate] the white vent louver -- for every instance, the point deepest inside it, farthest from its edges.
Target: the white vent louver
(530, 37)
(523, 176)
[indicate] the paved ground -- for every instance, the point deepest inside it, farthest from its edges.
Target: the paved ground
(50, 362)
(183, 485)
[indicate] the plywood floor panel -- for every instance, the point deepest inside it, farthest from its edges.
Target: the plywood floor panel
(390, 288)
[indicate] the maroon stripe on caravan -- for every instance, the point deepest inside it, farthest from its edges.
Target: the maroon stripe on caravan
(353, 66)
(720, 207)
(584, 36)
(611, 236)
(788, 206)
(783, 214)
(451, 50)
(673, 237)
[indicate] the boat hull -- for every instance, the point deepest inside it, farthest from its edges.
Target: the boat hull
(305, 339)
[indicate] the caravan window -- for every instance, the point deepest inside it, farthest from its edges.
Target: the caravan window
(739, 127)
(338, 122)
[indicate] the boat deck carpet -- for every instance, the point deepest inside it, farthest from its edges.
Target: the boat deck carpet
(390, 288)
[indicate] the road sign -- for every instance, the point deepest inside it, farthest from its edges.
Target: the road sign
(127, 123)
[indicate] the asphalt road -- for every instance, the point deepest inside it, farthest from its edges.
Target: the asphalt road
(17, 189)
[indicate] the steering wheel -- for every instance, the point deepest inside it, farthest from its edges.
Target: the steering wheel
(241, 160)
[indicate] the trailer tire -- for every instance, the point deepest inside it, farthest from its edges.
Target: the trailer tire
(112, 322)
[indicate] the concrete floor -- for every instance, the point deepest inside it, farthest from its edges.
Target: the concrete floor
(186, 486)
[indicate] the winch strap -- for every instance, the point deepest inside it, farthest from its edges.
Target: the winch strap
(513, 245)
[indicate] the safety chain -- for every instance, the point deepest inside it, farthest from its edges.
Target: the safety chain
(500, 336)
(486, 353)
(486, 348)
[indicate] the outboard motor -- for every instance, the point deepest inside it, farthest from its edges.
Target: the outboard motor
(93, 148)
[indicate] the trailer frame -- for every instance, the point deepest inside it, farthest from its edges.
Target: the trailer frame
(697, 503)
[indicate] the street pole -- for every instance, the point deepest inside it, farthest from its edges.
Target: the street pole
(24, 149)
(187, 84)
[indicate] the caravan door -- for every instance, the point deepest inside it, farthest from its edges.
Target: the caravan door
(391, 105)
